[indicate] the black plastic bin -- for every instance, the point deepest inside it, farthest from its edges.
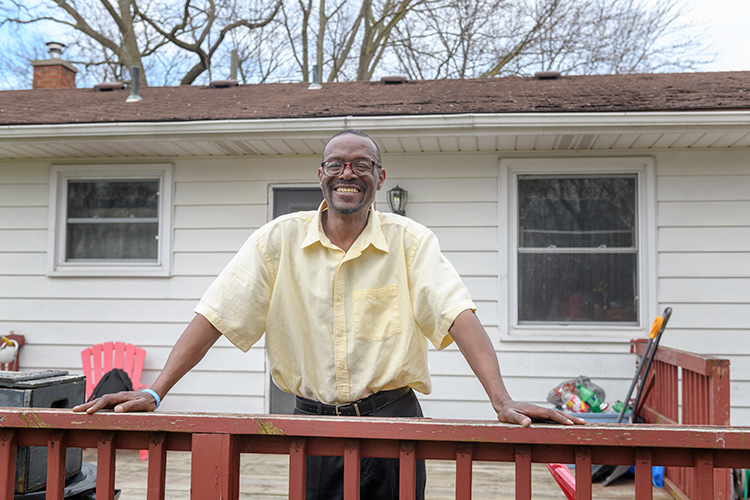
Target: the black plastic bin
(41, 389)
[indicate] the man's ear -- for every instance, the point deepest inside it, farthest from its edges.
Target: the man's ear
(381, 177)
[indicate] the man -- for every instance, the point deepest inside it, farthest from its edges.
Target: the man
(348, 298)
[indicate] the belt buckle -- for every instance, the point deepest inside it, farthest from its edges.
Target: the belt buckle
(355, 405)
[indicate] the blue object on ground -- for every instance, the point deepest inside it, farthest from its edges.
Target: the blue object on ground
(657, 476)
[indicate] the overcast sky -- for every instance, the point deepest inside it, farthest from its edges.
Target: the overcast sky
(727, 29)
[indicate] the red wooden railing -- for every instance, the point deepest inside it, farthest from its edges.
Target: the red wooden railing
(688, 389)
(217, 440)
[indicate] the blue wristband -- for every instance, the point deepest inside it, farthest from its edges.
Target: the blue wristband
(154, 395)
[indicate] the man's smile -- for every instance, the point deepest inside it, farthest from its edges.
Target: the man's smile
(346, 189)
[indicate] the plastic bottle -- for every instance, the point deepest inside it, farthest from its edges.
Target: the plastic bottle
(590, 397)
(574, 403)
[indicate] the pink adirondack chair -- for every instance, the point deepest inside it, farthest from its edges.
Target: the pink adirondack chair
(101, 358)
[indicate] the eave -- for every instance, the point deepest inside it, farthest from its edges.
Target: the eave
(502, 133)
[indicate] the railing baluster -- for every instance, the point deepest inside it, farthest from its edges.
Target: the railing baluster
(351, 469)
(297, 468)
(8, 440)
(407, 479)
(157, 467)
(464, 457)
(703, 476)
(56, 466)
(214, 467)
(105, 466)
(643, 474)
(583, 473)
(523, 472)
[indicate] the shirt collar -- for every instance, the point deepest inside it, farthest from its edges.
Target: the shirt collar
(371, 235)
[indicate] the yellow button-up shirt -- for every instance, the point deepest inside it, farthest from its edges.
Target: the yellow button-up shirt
(339, 325)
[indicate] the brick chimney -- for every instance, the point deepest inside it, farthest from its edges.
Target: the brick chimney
(54, 73)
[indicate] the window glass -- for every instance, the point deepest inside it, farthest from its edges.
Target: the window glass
(112, 220)
(577, 251)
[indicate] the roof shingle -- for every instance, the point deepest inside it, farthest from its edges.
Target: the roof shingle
(600, 93)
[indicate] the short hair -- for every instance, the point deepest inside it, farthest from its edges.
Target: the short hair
(354, 131)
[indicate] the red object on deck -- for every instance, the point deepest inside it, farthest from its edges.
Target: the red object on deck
(564, 478)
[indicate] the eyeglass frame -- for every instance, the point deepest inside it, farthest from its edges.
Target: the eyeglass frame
(372, 164)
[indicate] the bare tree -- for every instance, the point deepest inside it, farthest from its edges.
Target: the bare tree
(188, 41)
(484, 38)
(200, 27)
(110, 36)
(616, 36)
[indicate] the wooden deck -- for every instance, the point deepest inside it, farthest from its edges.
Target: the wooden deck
(265, 477)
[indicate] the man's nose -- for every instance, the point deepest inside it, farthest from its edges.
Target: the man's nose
(348, 171)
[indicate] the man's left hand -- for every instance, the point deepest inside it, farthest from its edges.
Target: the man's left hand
(513, 412)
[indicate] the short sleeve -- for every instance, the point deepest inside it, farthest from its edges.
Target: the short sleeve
(237, 301)
(437, 292)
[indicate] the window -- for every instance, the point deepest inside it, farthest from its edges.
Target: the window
(111, 221)
(578, 256)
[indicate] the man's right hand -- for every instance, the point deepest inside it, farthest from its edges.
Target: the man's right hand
(122, 402)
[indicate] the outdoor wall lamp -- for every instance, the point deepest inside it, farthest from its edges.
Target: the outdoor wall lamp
(397, 200)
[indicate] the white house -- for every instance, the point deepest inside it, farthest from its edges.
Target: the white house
(575, 208)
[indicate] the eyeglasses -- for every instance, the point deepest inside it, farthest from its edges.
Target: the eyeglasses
(359, 167)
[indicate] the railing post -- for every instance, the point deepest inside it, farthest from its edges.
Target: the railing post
(157, 467)
(407, 470)
(643, 474)
(523, 472)
(8, 440)
(105, 466)
(703, 477)
(351, 469)
(56, 465)
(297, 468)
(583, 473)
(464, 457)
(214, 467)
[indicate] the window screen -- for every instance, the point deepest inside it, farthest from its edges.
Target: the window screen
(577, 249)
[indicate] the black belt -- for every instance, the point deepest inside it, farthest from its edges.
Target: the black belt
(358, 408)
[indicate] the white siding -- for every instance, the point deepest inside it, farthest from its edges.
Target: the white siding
(703, 271)
(704, 260)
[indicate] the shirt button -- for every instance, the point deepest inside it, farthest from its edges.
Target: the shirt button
(340, 333)
(339, 298)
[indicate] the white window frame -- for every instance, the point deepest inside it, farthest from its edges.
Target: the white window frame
(509, 172)
(62, 174)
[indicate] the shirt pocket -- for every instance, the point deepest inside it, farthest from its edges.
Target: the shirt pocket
(376, 313)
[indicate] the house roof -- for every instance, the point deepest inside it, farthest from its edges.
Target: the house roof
(597, 113)
(582, 94)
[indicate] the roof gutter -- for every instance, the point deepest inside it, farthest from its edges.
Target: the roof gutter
(453, 124)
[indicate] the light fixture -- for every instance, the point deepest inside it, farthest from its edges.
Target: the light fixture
(397, 200)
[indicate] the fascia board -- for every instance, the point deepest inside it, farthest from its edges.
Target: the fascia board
(447, 124)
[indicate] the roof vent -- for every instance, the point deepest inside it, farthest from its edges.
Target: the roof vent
(135, 81)
(55, 49)
(393, 80)
(223, 84)
(547, 75)
(315, 85)
(108, 86)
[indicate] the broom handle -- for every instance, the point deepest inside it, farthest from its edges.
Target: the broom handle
(666, 315)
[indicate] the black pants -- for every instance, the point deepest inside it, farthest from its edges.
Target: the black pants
(378, 476)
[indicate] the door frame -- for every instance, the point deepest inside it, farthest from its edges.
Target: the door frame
(270, 388)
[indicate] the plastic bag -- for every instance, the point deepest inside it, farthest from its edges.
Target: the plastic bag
(555, 396)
